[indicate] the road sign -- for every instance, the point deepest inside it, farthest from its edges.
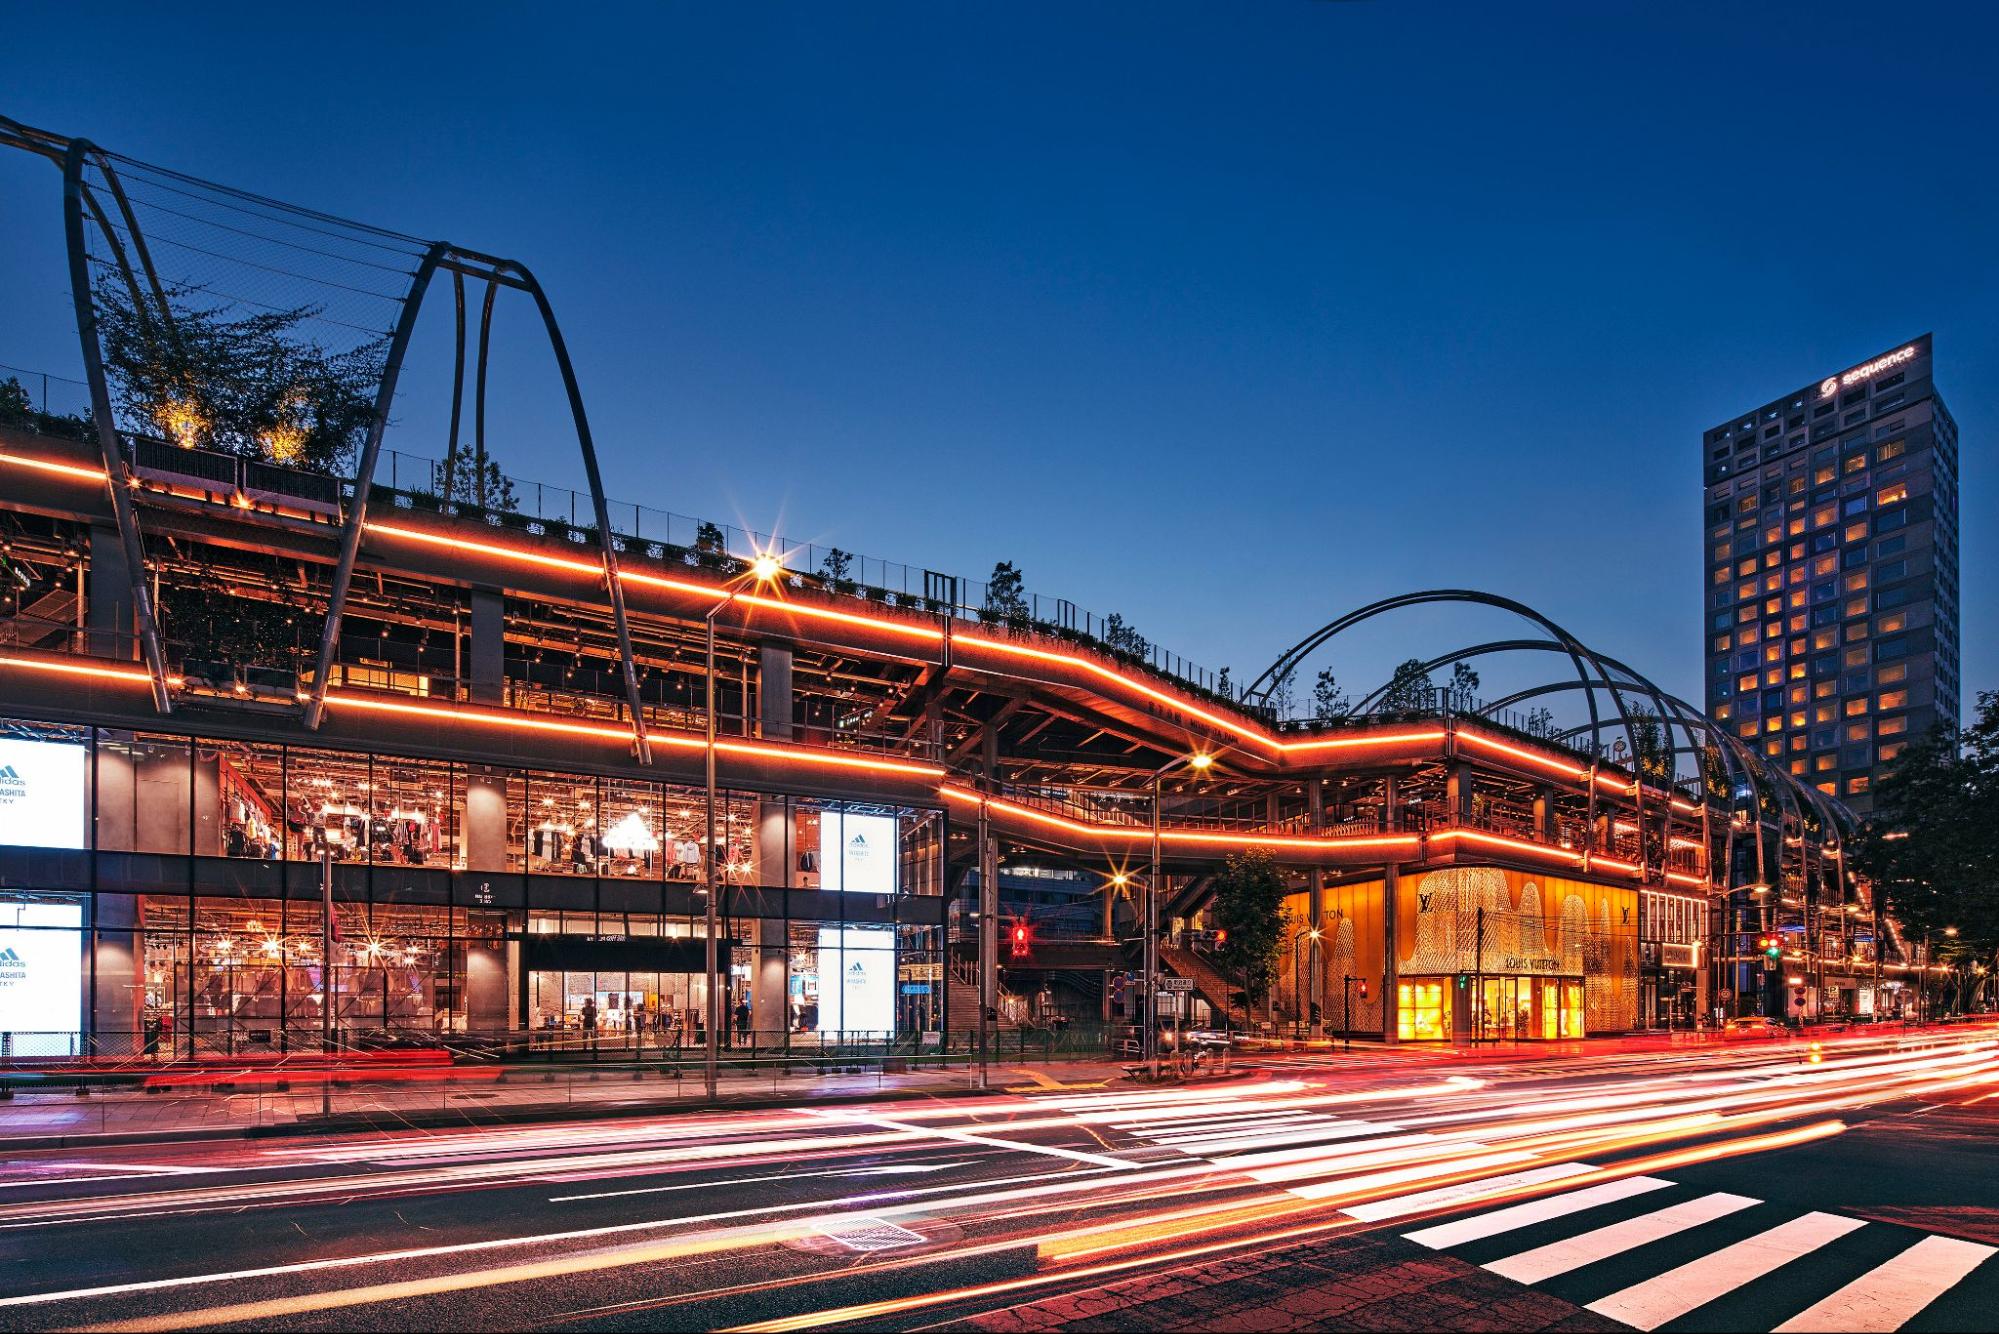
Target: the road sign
(1176, 984)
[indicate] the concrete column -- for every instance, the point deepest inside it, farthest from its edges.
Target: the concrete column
(486, 664)
(770, 1006)
(775, 861)
(1458, 784)
(110, 616)
(485, 819)
(774, 699)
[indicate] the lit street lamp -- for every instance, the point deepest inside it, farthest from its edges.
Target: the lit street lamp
(1200, 762)
(764, 570)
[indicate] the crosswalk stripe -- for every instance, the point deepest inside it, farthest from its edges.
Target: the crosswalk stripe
(1667, 1296)
(1894, 1292)
(1401, 1206)
(1509, 1219)
(1559, 1257)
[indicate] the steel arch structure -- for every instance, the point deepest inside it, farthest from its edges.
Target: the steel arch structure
(1699, 735)
(84, 210)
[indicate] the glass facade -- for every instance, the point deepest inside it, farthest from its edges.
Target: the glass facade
(166, 896)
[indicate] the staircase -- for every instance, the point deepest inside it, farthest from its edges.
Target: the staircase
(961, 1005)
(1221, 993)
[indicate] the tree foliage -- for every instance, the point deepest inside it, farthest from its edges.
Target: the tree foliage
(1464, 686)
(1006, 593)
(1282, 693)
(1249, 907)
(17, 409)
(837, 570)
(1329, 702)
(1123, 637)
(1651, 751)
(255, 385)
(1410, 688)
(1932, 845)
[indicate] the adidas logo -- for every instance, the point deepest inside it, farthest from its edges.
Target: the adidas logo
(9, 774)
(9, 956)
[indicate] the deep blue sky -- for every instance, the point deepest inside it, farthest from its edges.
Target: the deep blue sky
(1226, 318)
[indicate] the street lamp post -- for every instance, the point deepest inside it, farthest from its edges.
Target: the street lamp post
(1201, 762)
(764, 569)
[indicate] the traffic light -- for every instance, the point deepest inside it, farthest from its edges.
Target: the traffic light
(1772, 947)
(1119, 983)
(1020, 940)
(1363, 988)
(1222, 936)
(1464, 980)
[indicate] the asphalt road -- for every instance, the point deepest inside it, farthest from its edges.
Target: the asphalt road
(1726, 1188)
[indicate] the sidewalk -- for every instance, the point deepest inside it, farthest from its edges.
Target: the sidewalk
(477, 1095)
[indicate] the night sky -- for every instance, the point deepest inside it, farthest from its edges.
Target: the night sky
(1225, 318)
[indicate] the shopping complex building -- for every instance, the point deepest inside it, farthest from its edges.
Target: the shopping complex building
(290, 753)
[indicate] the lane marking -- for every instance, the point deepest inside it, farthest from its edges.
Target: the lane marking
(1672, 1294)
(1518, 1216)
(1559, 1257)
(968, 1137)
(886, 1170)
(1893, 1293)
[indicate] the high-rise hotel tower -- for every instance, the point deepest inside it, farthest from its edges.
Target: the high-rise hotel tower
(1831, 551)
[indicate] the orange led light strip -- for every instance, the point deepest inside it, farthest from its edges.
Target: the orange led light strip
(1521, 753)
(1179, 835)
(1684, 879)
(596, 571)
(677, 740)
(132, 674)
(49, 465)
(928, 634)
(1179, 703)
(1500, 841)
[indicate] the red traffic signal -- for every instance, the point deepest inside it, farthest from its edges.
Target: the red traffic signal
(1020, 940)
(1363, 988)
(1222, 937)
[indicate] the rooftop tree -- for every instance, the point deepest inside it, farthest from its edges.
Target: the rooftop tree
(256, 386)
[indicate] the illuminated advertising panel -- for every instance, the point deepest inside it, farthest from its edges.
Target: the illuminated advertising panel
(857, 853)
(41, 976)
(41, 793)
(857, 979)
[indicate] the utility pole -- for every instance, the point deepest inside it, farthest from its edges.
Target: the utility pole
(326, 979)
(988, 946)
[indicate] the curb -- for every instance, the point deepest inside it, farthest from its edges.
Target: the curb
(533, 1114)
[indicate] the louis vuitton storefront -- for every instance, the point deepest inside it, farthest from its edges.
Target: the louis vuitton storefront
(1480, 953)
